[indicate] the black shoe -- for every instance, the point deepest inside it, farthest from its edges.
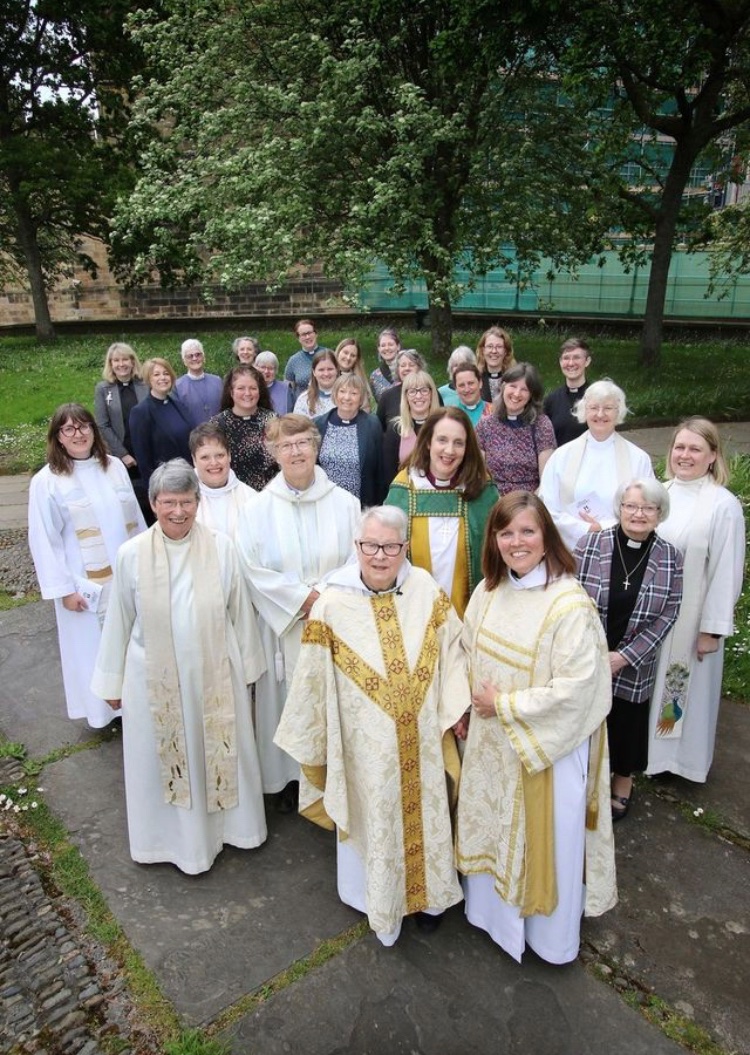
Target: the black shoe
(287, 801)
(427, 923)
(620, 812)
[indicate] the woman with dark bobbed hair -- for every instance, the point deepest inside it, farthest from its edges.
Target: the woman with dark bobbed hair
(447, 495)
(534, 830)
(246, 413)
(517, 438)
(81, 509)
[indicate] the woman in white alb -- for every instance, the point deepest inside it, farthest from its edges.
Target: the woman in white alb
(81, 509)
(180, 646)
(580, 479)
(706, 524)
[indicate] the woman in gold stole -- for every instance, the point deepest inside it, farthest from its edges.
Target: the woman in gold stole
(447, 496)
(534, 835)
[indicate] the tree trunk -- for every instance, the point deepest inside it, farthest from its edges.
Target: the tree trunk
(27, 240)
(441, 321)
(661, 258)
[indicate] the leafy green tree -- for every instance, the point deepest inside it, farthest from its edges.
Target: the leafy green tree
(667, 85)
(425, 134)
(62, 115)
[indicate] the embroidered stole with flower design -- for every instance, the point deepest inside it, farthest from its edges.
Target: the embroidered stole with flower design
(162, 677)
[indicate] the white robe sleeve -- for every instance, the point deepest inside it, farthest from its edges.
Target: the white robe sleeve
(46, 527)
(726, 560)
(571, 527)
(109, 670)
(241, 613)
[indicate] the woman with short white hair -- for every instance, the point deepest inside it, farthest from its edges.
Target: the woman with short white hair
(634, 578)
(280, 392)
(580, 479)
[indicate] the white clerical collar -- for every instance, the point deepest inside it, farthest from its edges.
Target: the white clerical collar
(197, 377)
(591, 438)
(536, 577)
(348, 577)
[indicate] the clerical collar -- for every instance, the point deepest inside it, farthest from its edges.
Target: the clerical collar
(536, 577)
(197, 377)
(336, 419)
(495, 375)
(441, 484)
(471, 406)
(512, 417)
(394, 588)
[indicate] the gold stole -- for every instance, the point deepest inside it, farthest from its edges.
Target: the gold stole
(419, 548)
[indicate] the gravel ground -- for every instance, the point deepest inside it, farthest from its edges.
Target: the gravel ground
(17, 575)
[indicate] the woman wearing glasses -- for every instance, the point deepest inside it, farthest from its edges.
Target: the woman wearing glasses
(635, 579)
(81, 509)
(299, 528)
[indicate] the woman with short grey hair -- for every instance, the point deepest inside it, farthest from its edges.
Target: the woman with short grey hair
(280, 392)
(179, 647)
(580, 479)
(635, 579)
(175, 475)
(388, 516)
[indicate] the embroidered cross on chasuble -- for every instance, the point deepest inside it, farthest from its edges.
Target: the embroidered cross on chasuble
(400, 694)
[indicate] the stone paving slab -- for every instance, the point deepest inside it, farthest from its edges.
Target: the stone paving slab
(32, 700)
(210, 939)
(450, 993)
(727, 790)
(682, 925)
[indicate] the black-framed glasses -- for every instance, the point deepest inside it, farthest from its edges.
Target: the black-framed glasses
(371, 549)
(70, 430)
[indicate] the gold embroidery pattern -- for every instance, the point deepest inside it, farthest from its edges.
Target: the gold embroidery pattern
(400, 695)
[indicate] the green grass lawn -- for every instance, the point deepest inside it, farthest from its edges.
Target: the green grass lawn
(709, 377)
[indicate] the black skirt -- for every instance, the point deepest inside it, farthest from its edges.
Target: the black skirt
(627, 730)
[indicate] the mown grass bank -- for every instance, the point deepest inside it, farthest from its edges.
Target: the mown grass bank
(710, 377)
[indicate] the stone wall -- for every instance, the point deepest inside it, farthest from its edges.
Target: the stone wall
(84, 299)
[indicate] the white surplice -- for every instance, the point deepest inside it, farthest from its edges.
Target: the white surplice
(60, 566)
(717, 584)
(597, 480)
(158, 831)
(288, 541)
(220, 507)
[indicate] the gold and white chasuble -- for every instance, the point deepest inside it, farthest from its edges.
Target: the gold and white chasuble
(380, 681)
(545, 650)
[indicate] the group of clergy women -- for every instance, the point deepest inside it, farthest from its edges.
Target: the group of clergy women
(548, 672)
